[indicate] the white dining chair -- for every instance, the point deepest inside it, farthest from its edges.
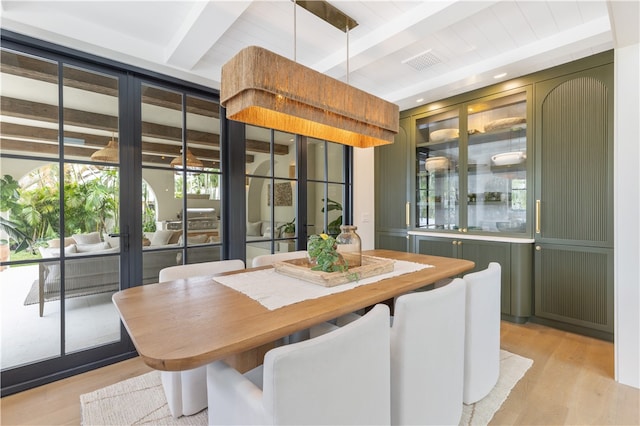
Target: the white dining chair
(341, 377)
(186, 390)
(269, 259)
(427, 356)
(482, 337)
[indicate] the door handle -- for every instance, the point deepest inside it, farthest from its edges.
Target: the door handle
(407, 213)
(125, 240)
(537, 216)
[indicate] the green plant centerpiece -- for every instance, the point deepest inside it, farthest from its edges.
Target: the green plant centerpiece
(324, 255)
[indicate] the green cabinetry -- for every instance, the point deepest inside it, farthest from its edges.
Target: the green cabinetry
(515, 260)
(392, 195)
(471, 166)
(520, 173)
(574, 201)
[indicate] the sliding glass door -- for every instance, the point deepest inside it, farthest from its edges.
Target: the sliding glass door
(181, 179)
(61, 208)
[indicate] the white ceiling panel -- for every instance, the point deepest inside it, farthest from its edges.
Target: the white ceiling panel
(193, 39)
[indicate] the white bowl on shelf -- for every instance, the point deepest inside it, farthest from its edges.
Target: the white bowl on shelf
(436, 164)
(509, 158)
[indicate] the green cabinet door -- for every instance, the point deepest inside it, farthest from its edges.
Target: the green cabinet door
(485, 252)
(573, 288)
(433, 246)
(392, 190)
(574, 202)
(515, 261)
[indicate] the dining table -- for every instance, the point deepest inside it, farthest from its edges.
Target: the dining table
(186, 323)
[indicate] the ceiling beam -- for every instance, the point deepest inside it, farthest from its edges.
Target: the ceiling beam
(407, 29)
(83, 152)
(49, 137)
(49, 113)
(37, 69)
(200, 30)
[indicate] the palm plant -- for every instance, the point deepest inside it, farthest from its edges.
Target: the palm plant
(9, 196)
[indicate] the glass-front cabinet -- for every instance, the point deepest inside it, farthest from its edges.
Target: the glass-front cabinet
(437, 160)
(471, 167)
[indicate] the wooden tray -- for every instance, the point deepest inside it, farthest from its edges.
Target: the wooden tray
(301, 268)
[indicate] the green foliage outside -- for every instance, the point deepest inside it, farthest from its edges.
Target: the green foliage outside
(90, 203)
(333, 228)
(197, 183)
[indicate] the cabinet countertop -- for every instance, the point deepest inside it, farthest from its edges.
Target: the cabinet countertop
(463, 236)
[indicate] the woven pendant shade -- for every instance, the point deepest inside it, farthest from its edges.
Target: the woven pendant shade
(262, 88)
(108, 154)
(192, 162)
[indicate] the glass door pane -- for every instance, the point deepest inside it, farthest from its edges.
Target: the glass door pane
(181, 180)
(90, 272)
(437, 181)
(326, 188)
(271, 183)
(497, 160)
(31, 207)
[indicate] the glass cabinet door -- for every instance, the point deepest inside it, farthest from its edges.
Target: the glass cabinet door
(496, 165)
(437, 182)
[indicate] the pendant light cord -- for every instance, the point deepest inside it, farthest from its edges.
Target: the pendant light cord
(347, 31)
(295, 49)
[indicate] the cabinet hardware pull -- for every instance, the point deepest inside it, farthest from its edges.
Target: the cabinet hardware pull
(537, 216)
(454, 243)
(538, 248)
(407, 213)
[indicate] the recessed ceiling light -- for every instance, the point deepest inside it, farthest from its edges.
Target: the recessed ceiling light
(500, 75)
(420, 100)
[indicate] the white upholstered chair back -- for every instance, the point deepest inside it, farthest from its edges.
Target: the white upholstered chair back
(341, 377)
(482, 339)
(199, 269)
(186, 391)
(269, 259)
(427, 356)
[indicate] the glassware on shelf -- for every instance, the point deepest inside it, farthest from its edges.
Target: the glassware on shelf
(349, 245)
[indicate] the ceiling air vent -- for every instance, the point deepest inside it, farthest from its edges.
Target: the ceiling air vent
(423, 60)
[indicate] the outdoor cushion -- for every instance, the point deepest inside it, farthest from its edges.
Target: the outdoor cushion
(90, 238)
(87, 248)
(253, 229)
(161, 238)
(55, 242)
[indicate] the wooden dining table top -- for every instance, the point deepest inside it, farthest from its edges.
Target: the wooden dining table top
(183, 324)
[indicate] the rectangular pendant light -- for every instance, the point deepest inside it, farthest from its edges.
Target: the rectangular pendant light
(262, 88)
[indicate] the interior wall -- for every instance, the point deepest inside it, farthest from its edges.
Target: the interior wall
(627, 213)
(363, 196)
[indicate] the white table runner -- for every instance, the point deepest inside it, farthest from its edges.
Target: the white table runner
(273, 290)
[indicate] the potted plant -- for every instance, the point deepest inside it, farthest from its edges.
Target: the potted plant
(288, 230)
(323, 254)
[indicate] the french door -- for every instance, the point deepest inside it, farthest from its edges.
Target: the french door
(64, 129)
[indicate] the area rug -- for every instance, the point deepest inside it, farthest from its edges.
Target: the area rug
(141, 400)
(512, 368)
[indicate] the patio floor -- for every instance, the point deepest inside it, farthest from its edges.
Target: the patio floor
(25, 337)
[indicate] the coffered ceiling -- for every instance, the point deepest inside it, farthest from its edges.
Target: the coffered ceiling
(401, 51)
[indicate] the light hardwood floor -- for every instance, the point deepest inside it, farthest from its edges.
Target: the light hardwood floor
(570, 382)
